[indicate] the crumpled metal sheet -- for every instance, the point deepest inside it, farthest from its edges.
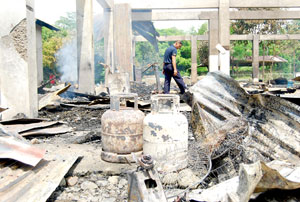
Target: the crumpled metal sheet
(273, 123)
(13, 146)
(20, 182)
(253, 178)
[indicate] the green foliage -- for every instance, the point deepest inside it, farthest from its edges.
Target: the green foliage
(203, 50)
(173, 31)
(257, 26)
(52, 42)
(287, 49)
(146, 54)
(67, 23)
(99, 58)
(241, 50)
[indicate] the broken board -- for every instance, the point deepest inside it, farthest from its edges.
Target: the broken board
(19, 182)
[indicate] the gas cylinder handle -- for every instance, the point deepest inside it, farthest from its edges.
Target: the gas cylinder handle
(158, 105)
(116, 98)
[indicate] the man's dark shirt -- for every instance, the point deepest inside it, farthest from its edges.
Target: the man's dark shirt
(168, 54)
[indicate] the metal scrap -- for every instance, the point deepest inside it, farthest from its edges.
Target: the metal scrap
(19, 182)
(253, 178)
(51, 98)
(12, 146)
(25, 127)
(144, 184)
(2, 109)
(272, 123)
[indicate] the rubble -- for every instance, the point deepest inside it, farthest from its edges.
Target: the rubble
(253, 178)
(187, 178)
(230, 128)
(272, 123)
(52, 98)
(28, 127)
(35, 173)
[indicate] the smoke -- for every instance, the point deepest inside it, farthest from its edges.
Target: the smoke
(67, 62)
(67, 55)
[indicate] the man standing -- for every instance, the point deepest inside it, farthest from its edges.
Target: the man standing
(170, 69)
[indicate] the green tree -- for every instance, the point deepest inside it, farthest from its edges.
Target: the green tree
(67, 23)
(54, 40)
(241, 49)
(203, 50)
(290, 49)
(145, 52)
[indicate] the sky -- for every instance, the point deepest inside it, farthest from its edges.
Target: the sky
(51, 10)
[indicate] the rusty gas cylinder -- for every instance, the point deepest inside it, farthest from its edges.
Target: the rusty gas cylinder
(122, 130)
(165, 133)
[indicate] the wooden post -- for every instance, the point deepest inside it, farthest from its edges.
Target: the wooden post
(85, 46)
(123, 38)
(255, 58)
(108, 39)
(108, 44)
(194, 59)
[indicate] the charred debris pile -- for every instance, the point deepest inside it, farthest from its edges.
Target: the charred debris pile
(240, 144)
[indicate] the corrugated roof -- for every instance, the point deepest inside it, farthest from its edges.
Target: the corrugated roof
(273, 123)
(20, 182)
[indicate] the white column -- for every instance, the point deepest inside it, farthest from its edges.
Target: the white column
(213, 41)
(85, 46)
(224, 35)
(123, 39)
(39, 55)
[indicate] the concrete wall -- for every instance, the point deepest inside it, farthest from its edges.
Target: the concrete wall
(11, 13)
(18, 70)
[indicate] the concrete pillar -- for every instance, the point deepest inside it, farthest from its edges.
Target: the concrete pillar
(32, 63)
(109, 39)
(39, 55)
(224, 24)
(133, 51)
(85, 46)
(224, 34)
(18, 66)
(194, 59)
(123, 39)
(255, 58)
(108, 44)
(224, 59)
(213, 41)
